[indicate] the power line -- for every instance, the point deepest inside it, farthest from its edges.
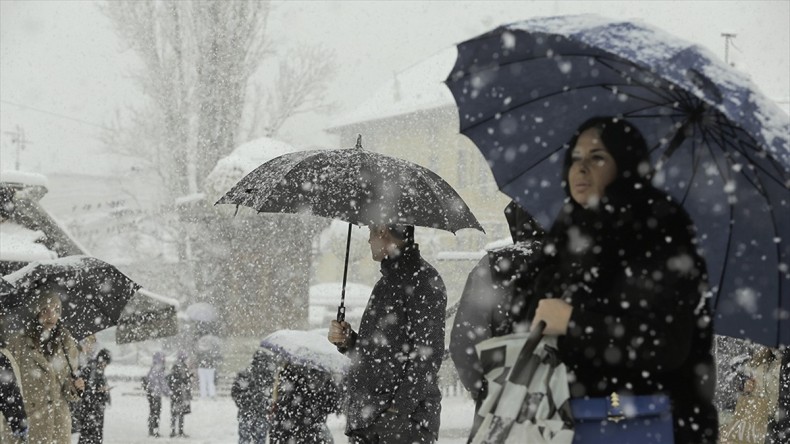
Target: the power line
(62, 116)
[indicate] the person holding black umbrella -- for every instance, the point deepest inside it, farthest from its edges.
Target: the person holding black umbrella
(392, 384)
(46, 352)
(621, 284)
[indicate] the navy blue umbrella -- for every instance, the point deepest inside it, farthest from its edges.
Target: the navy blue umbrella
(719, 146)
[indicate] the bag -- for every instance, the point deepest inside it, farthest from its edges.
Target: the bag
(623, 419)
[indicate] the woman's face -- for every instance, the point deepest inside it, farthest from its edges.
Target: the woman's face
(49, 314)
(592, 169)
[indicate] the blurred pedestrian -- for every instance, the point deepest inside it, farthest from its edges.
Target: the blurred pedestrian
(46, 354)
(207, 370)
(95, 399)
(179, 381)
(262, 372)
(392, 384)
(757, 402)
(241, 394)
(305, 397)
(13, 424)
(486, 308)
(155, 386)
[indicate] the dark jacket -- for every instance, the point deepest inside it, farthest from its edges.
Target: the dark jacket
(241, 392)
(179, 381)
(94, 399)
(305, 398)
(398, 351)
(486, 308)
(640, 322)
(11, 404)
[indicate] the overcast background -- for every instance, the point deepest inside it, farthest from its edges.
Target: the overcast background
(63, 71)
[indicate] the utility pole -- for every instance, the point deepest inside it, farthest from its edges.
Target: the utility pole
(18, 139)
(728, 36)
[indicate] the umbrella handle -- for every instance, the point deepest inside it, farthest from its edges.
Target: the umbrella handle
(341, 309)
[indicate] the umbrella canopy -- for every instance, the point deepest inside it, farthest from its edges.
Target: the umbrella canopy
(306, 348)
(147, 316)
(356, 186)
(353, 185)
(720, 147)
(93, 292)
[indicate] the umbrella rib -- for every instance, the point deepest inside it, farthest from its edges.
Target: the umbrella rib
(602, 60)
(728, 143)
(530, 168)
(531, 101)
(760, 189)
(731, 206)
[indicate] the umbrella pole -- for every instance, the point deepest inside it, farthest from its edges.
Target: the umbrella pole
(341, 309)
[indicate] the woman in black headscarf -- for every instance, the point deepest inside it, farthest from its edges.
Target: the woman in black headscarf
(621, 284)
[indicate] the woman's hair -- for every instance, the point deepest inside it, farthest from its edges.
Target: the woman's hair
(625, 144)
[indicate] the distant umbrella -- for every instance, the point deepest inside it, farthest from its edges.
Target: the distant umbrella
(307, 349)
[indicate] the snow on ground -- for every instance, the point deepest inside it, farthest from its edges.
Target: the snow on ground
(214, 421)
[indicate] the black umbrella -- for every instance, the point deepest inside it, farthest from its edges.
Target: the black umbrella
(721, 148)
(93, 292)
(356, 186)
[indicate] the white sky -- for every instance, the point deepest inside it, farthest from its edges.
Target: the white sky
(62, 57)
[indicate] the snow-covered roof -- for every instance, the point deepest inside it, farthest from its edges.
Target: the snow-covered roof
(242, 160)
(419, 87)
(23, 178)
(20, 244)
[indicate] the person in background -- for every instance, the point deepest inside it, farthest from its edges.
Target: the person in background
(779, 428)
(262, 372)
(95, 399)
(13, 424)
(392, 384)
(179, 381)
(155, 386)
(305, 397)
(207, 371)
(757, 402)
(486, 308)
(44, 352)
(242, 396)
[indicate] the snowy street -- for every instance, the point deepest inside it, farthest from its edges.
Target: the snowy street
(214, 421)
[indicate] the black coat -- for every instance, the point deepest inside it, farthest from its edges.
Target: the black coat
(486, 309)
(397, 353)
(305, 398)
(11, 404)
(179, 381)
(640, 322)
(95, 397)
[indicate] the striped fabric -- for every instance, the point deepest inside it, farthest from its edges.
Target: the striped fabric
(527, 399)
